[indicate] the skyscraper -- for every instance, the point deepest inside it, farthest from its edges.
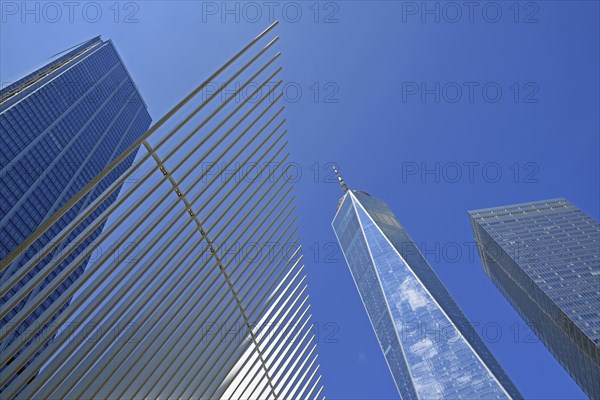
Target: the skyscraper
(544, 257)
(429, 345)
(59, 127)
(196, 287)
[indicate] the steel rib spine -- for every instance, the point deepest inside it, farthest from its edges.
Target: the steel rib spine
(81, 258)
(178, 283)
(33, 303)
(239, 222)
(152, 245)
(205, 303)
(89, 360)
(80, 282)
(156, 336)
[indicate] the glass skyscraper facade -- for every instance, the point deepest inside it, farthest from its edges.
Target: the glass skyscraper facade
(544, 257)
(430, 347)
(59, 127)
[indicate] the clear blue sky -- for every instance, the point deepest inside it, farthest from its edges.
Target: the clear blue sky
(372, 59)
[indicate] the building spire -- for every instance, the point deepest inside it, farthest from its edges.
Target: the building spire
(340, 180)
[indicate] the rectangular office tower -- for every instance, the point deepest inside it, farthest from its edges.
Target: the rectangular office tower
(430, 347)
(544, 257)
(59, 127)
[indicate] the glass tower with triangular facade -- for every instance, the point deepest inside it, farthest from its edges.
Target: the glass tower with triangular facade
(429, 345)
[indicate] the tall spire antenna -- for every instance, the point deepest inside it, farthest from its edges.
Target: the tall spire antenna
(340, 180)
